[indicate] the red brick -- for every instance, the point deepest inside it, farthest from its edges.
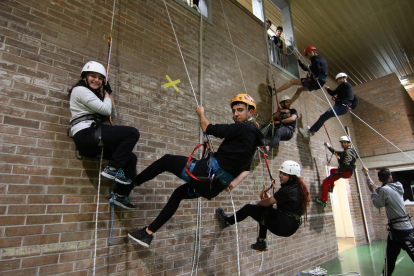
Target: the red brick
(16, 159)
(36, 199)
(62, 209)
(21, 45)
(79, 236)
(40, 261)
(40, 239)
(27, 189)
(26, 209)
(9, 265)
(20, 122)
(31, 170)
(23, 230)
(55, 269)
(10, 242)
(30, 87)
(12, 199)
(20, 272)
(19, 60)
(46, 180)
(12, 220)
(44, 219)
(65, 172)
(37, 133)
(73, 256)
(78, 217)
(34, 151)
(61, 228)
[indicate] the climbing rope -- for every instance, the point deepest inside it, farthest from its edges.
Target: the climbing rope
(100, 162)
(197, 240)
(234, 48)
(381, 135)
(181, 53)
(96, 214)
(237, 232)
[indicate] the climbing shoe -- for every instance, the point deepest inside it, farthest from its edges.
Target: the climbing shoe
(264, 150)
(122, 202)
(222, 218)
(141, 237)
(117, 175)
(260, 245)
(320, 202)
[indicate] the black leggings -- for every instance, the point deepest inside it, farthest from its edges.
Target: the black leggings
(119, 142)
(268, 218)
(175, 164)
(399, 241)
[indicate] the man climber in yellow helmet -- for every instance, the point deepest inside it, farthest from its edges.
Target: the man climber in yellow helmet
(230, 164)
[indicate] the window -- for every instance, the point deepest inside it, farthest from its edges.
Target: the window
(406, 177)
(204, 6)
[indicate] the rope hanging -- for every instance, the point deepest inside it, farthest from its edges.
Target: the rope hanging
(181, 53)
(100, 162)
(197, 242)
(234, 48)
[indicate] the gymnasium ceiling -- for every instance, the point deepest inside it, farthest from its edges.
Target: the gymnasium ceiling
(367, 39)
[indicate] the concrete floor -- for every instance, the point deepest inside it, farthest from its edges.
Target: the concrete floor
(367, 260)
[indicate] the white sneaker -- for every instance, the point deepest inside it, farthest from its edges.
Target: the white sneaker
(304, 133)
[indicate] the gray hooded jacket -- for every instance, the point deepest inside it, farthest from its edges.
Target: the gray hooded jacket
(390, 196)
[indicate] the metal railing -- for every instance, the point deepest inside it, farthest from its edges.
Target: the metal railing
(277, 56)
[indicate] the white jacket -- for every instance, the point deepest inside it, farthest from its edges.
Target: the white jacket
(83, 102)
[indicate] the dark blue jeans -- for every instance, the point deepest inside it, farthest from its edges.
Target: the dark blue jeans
(339, 109)
(283, 133)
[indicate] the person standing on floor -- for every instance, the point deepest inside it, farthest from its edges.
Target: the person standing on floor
(346, 160)
(284, 124)
(318, 72)
(345, 100)
(87, 129)
(230, 164)
(292, 201)
(401, 232)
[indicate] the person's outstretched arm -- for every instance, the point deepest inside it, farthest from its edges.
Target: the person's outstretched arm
(237, 180)
(203, 120)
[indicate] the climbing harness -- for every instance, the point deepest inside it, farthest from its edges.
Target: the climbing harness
(272, 184)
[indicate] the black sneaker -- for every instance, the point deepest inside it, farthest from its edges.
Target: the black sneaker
(320, 202)
(222, 218)
(122, 202)
(259, 245)
(118, 176)
(141, 237)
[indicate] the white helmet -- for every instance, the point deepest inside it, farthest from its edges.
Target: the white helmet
(93, 66)
(341, 75)
(290, 167)
(344, 138)
(284, 98)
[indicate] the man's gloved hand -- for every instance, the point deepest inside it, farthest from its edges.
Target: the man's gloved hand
(107, 88)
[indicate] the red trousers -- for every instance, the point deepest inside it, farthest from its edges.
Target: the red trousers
(330, 182)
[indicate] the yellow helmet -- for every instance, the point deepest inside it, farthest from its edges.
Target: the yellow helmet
(244, 98)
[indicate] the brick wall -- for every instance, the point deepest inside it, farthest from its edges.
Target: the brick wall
(48, 197)
(384, 104)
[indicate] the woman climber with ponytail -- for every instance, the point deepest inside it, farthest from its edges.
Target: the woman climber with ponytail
(89, 112)
(292, 201)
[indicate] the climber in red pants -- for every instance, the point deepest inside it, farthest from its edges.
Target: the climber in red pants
(346, 160)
